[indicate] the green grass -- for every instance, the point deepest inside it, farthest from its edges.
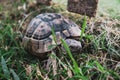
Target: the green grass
(99, 59)
(5, 68)
(84, 25)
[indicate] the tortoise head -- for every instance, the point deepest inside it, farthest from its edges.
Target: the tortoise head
(74, 45)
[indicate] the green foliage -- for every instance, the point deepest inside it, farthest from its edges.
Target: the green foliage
(5, 68)
(76, 70)
(1, 7)
(23, 1)
(54, 35)
(15, 76)
(100, 42)
(83, 28)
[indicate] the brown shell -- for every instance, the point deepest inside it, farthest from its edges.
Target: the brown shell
(38, 37)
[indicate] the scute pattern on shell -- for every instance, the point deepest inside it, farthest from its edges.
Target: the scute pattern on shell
(40, 27)
(39, 35)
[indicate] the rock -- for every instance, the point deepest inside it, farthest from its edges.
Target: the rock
(83, 7)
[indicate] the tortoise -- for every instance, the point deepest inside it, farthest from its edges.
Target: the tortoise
(38, 36)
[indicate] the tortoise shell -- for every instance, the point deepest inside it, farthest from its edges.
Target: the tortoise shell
(38, 37)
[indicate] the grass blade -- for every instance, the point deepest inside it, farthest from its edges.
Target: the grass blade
(5, 68)
(77, 70)
(15, 76)
(53, 35)
(83, 28)
(99, 66)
